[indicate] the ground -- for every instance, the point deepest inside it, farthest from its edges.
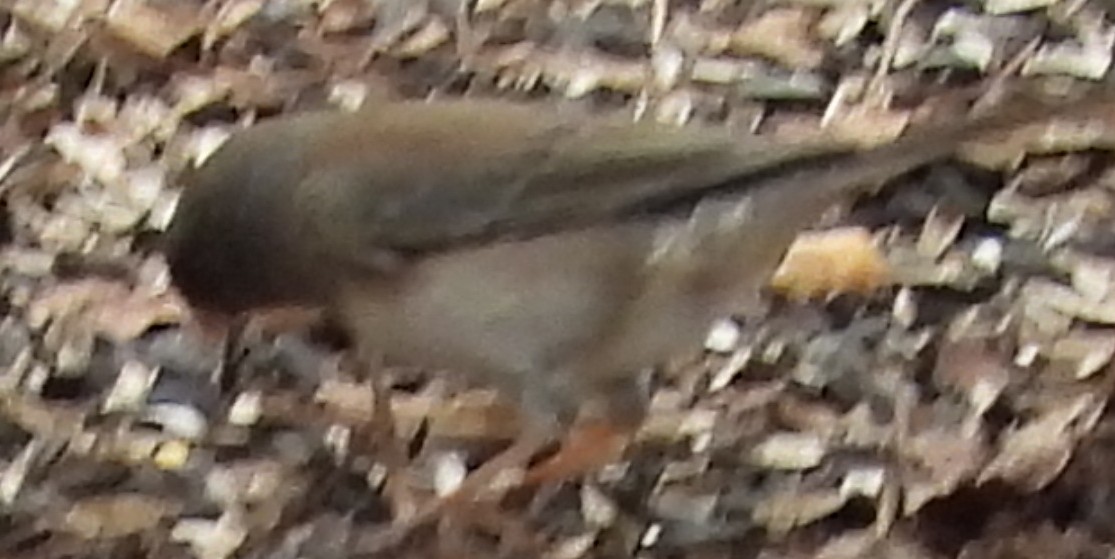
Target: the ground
(946, 399)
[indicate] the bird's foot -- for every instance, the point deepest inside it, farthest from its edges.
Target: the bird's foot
(458, 526)
(587, 448)
(480, 490)
(475, 502)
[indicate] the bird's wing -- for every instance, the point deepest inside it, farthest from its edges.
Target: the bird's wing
(486, 170)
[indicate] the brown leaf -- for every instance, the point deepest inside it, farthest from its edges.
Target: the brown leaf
(110, 309)
(782, 35)
(114, 516)
(154, 31)
(1033, 454)
(831, 262)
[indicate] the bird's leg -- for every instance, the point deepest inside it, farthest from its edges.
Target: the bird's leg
(228, 331)
(397, 486)
(230, 355)
(238, 333)
(589, 446)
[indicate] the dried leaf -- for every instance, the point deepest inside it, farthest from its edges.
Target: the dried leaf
(155, 31)
(789, 451)
(109, 309)
(209, 539)
(830, 263)
(782, 35)
(117, 515)
(1033, 454)
(782, 512)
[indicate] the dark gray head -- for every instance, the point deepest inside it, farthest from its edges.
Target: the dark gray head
(233, 243)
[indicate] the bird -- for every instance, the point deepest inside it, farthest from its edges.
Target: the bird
(549, 253)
